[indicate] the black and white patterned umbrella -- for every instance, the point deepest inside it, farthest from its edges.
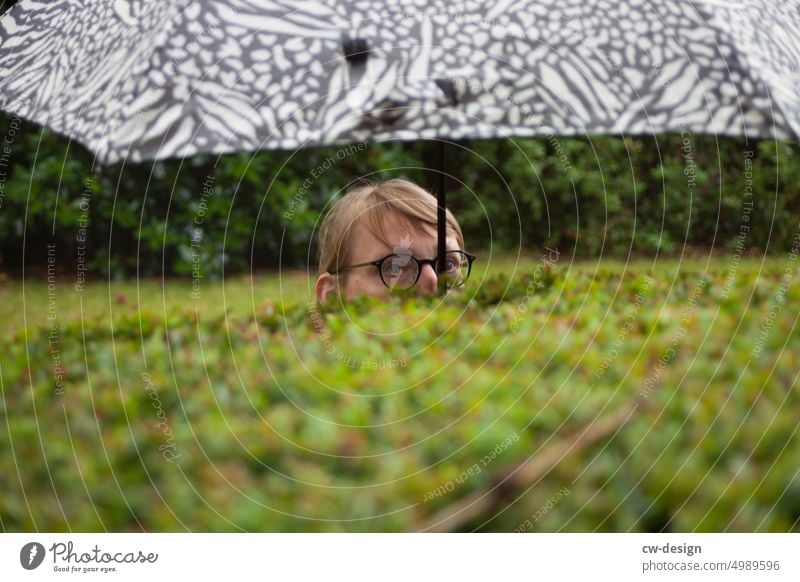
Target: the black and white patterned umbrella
(148, 79)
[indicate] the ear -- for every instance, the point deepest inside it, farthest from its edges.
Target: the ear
(326, 283)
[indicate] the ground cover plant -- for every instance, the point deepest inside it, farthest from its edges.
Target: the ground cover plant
(562, 397)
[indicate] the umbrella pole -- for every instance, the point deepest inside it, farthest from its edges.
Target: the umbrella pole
(441, 219)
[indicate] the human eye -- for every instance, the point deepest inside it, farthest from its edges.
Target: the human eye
(394, 268)
(452, 263)
(399, 267)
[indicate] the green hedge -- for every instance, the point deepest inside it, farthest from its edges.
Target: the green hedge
(379, 417)
(596, 196)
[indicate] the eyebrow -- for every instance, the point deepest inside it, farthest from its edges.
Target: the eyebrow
(418, 255)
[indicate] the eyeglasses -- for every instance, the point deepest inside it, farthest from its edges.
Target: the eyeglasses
(402, 271)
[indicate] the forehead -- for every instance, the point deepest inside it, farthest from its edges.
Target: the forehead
(397, 235)
(390, 230)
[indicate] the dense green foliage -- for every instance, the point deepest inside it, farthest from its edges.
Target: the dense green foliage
(378, 419)
(601, 196)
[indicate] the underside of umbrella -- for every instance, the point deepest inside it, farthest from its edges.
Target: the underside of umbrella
(153, 79)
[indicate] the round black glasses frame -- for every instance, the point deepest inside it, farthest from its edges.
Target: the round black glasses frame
(420, 264)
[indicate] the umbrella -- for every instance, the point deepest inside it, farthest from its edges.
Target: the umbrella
(149, 79)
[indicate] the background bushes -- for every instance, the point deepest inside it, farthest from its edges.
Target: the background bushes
(603, 195)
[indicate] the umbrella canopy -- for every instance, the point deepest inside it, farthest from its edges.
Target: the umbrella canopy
(148, 79)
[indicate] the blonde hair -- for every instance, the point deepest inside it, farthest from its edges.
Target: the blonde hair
(369, 205)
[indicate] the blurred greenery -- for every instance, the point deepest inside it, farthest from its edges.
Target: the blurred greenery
(6, 4)
(170, 418)
(238, 213)
(24, 303)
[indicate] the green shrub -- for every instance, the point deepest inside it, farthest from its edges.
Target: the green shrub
(376, 420)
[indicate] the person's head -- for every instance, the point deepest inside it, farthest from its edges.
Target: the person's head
(395, 221)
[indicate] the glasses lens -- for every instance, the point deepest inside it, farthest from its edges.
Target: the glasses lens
(456, 268)
(399, 271)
